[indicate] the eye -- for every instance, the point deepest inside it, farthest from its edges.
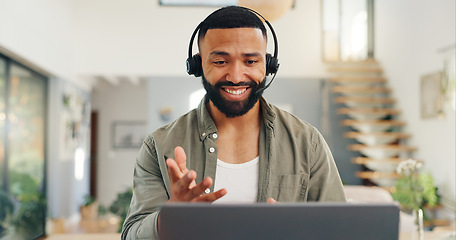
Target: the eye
(251, 62)
(219, 62)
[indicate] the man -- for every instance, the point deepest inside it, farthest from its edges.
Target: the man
(251, 150)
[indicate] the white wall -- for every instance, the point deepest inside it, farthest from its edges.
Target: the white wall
(65, 193)
(142, 38)
(408, 35)
(42, 33)
(124, 102)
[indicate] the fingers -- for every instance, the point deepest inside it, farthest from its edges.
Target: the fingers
(182, 190)
(177, 167)
(272, 201)
(181, 159)
(211, 197)
(183, 185)
(188, 193)
(200, 188)
(173, 170)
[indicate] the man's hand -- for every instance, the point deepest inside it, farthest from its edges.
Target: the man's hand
(183, 185)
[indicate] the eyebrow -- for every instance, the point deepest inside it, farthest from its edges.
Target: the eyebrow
(254, 54)
(221, 53)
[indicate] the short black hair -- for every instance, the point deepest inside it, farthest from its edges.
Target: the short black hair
(231, 17)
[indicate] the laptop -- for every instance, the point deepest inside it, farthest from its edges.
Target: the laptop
(310, 221)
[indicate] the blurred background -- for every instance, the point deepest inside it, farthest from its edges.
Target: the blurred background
(83, 82)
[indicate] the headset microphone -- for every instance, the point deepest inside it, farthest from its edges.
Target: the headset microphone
(267, 85)
(194, 66)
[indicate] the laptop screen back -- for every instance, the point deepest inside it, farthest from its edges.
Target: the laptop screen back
(279, 221)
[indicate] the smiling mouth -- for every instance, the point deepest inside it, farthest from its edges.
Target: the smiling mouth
(235, 91)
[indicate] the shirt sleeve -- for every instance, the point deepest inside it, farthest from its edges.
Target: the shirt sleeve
(149, 193)
(325, 183)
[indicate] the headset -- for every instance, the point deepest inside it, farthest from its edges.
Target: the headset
(195, 68)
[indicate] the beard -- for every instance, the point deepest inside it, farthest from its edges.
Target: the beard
(233, 109)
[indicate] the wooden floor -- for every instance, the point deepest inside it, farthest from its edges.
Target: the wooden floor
(106, 229)
(84, 236)
(116, 236)
(110, 224)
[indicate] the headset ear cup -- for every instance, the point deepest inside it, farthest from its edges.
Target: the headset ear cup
(272, 64)
(194, 65)
(268, 60)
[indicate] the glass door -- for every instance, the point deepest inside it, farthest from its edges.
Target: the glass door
(6, 208)
(22, 151)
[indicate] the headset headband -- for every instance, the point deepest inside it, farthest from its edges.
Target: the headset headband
(276, 45)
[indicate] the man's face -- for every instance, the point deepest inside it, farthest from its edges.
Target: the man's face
(234, 67)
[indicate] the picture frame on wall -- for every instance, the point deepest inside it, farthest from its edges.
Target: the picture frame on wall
(128, 134)
(431, 95)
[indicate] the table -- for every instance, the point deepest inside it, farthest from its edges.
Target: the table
(84, 236)
(441, 235)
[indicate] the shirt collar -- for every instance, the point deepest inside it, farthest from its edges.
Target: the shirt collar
(206, 125)
(268, 113)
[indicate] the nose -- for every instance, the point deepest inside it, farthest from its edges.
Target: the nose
(236, 72)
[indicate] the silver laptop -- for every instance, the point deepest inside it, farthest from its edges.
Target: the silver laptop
(310, 221)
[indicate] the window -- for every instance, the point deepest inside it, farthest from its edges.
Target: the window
(22, 151)
(347, 30)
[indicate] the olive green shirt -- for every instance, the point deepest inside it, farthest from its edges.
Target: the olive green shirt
(295, 164)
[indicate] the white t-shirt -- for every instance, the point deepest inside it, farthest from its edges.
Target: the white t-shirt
(240, 181)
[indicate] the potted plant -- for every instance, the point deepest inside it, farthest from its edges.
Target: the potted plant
(121, 205)
(6, 211)
(89, 209)
(30, 218)
(414, 190)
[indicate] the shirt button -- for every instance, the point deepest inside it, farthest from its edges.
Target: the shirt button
(203, 134)
(207, 191)
(215, 135)
(211, 150)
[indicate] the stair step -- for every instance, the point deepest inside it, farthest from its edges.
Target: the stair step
(368, 113)
(358, 80)
(386, 180)
(351, 122)
(369, 61)
(372, 125)
(372, 175)
(363, 160)
(381, 151)
(377, 165)
(355, 69)
(397, 147)
(356, 89)
(365, 102)
(376, 138)
(361, 91)
(377, 134)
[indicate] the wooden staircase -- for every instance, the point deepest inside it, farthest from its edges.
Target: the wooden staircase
(362, 94)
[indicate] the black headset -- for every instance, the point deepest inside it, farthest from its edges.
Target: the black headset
(195, 68)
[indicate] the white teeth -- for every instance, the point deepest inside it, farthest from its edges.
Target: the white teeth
(235, 92)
